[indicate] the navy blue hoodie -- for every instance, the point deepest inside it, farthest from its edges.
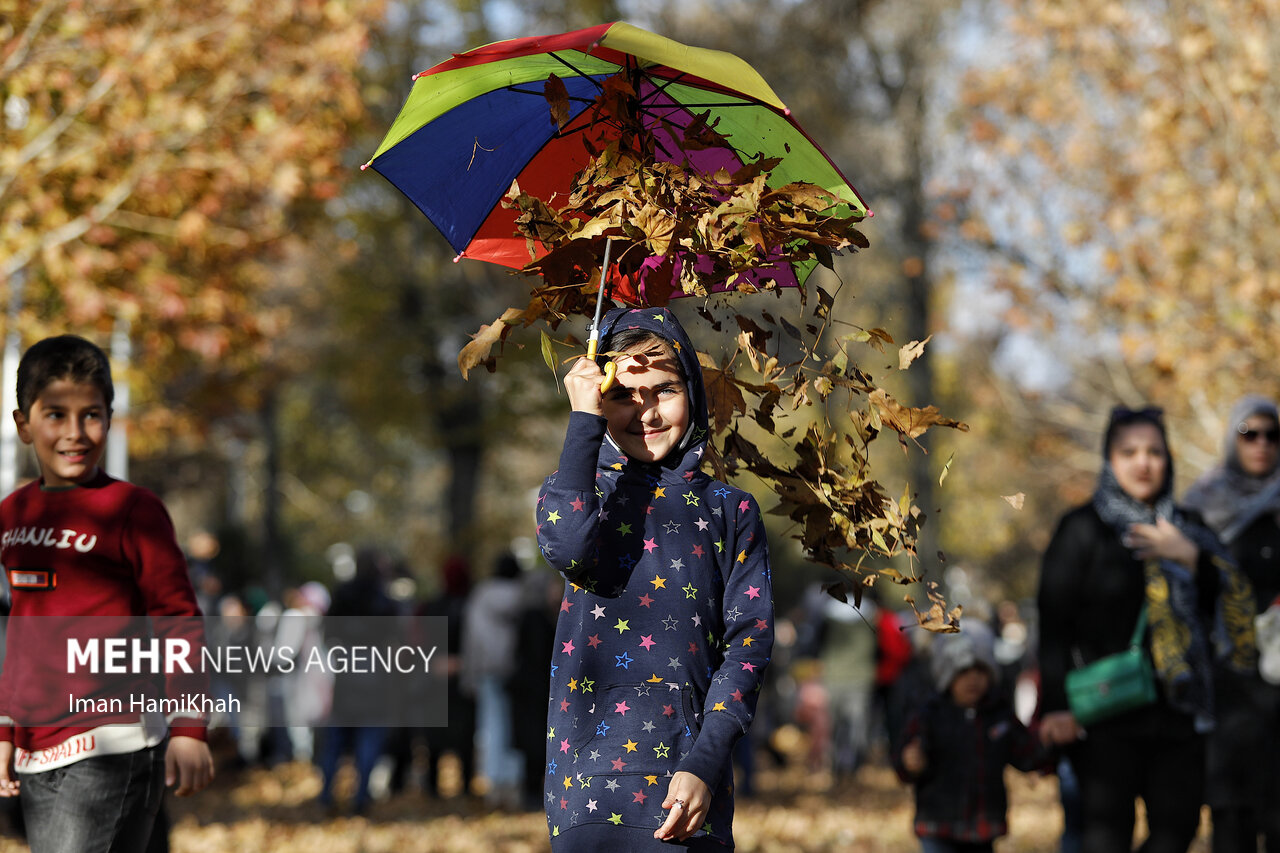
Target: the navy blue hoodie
(666, 626)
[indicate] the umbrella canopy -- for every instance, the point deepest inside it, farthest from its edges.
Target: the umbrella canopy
(477, 122)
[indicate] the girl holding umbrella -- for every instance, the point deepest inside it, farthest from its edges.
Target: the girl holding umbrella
(666, 625)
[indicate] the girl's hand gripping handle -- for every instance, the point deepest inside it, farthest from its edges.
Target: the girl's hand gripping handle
(583, 383)
(610, 369)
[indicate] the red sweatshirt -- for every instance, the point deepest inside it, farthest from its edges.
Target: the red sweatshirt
(80, 562)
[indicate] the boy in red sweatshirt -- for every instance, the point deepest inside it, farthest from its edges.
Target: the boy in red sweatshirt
(86, 557)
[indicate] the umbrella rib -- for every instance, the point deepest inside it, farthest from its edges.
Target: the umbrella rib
(520, 91)
(680, 105)
(662, 89)
(566, 63)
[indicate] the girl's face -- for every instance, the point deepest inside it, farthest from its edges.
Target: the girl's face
(1138, 458)
(648, 406)
(1258, 445)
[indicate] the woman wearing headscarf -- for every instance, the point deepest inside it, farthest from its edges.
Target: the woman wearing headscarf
(1240, 500)
(1127, 552)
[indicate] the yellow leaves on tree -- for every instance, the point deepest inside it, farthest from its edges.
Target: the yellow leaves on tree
(165, 156)
(1155, 128)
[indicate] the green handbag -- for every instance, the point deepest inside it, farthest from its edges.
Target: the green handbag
(1113, 684)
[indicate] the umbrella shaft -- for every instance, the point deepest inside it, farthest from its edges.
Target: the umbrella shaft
(595, 325)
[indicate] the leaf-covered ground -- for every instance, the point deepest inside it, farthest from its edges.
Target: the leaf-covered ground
(793, 811)
(261, 810)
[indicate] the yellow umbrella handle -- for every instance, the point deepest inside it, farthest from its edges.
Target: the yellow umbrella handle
(610, 369)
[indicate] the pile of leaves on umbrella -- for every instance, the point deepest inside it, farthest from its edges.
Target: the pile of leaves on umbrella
(789, 404)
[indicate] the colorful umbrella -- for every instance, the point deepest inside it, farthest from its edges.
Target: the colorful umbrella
(478, 121)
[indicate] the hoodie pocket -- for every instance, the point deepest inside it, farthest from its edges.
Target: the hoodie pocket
(640, 728)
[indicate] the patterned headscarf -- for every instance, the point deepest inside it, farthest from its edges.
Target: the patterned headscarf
(1230, 499)
(1180, 644)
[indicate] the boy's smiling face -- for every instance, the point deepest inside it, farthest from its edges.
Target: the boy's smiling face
(67, 427)
(648, 407)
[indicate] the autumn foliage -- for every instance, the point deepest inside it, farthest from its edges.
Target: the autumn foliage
(1139, 140)
(790, 406)
(159, 160)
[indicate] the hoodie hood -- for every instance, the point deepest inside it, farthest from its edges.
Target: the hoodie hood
(660, 321)
(952, 654)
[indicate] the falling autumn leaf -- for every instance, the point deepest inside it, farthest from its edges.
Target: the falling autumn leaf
(910, 352)
(946, 469)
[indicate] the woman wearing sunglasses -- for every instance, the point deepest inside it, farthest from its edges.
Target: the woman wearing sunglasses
(1131, 567)
(1240, 500)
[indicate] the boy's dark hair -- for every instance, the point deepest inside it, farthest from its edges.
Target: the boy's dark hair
(62, 357)
(628, 340)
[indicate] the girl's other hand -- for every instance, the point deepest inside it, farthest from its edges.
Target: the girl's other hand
(689, 800)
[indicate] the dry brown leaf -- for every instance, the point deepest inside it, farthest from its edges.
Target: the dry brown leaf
(907, 421)
(724, 398)
(558, 98)
(477, 351)
(910, 352)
